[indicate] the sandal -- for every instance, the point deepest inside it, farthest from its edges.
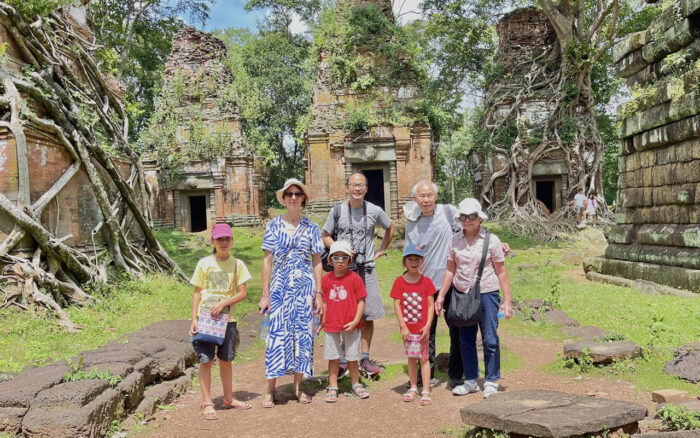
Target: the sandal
(410, 395)
(360, 391)
(208, 412)
(425, 399)
(302, 397)
(237, 404)
(331, 394)
(268, 400)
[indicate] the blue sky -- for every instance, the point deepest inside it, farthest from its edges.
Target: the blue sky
(230, 13)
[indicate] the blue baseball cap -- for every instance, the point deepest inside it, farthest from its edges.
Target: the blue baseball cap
(413, 250)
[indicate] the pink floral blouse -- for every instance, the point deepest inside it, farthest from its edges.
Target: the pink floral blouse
(468, 257)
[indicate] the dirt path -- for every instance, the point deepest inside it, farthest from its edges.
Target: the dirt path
(384, 413)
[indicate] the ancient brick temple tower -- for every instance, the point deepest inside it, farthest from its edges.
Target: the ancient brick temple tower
(657, 231)
(525, 38)
(229, 184)
(392, 156)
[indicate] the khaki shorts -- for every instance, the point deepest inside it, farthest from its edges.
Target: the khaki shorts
(342, 344)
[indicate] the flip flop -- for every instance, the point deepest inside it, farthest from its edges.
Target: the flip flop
(268, 400)
(237, 404)
(425, 399)
(331, 394)
(410, 395)
(208, 412)
(360, 391)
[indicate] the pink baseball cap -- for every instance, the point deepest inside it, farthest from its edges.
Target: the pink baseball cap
(221, 230)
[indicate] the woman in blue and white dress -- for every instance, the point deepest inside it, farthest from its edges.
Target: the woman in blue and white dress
(292, 246)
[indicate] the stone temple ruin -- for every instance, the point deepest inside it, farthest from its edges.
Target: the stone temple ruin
(392, 156)
(657, 232)
(523, 35)
(74, 214)
(201, 171)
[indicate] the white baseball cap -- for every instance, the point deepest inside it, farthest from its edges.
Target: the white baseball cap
(469, 206)
(341, 246)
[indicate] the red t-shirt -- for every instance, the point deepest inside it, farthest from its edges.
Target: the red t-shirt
(414, 301)
(341, 295)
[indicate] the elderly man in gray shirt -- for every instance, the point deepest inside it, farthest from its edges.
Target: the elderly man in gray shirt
(430, 226)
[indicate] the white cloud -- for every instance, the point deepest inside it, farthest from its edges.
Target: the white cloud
(298, 25)
(407, 10)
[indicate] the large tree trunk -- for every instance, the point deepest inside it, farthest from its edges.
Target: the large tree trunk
(53, 85)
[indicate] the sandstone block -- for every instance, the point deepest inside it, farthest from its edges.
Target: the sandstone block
(631, 43)
(160, 394)
(681, 278)
(132, 388)
(609, 279)
(669, 395)
(589, 332)
(528, 266)
(181, 384)
(559, 317)
(11, 420)
(70, 394)
(19, 391)
(681, 34)
(538, 413)
(91, 420)
(685, 363)
(602, 352)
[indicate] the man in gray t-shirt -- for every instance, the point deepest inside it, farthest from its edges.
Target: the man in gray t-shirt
(358, 229)
(430, 226)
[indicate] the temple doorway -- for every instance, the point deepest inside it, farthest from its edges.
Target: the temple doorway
(198, 213)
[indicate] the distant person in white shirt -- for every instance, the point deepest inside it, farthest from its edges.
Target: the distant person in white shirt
(580, 200)
(591, 205)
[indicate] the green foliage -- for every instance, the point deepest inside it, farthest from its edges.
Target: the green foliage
(135, 38)
(582, 365)
(77, 373)
(31, 8)
(553, 297)
(679, 417)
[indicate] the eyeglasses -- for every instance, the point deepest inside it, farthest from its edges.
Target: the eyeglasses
(471, 217)
(357, 185)
(426, 196)
(340, 258)
(293, 194)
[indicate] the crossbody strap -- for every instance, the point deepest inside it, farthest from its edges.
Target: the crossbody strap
(484, 251)
(364, 217)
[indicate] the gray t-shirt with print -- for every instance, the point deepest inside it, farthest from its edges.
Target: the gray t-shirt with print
(360, 237)
(432, 234)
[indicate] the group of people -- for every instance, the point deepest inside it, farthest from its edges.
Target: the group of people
(444, 248)
(586, 207)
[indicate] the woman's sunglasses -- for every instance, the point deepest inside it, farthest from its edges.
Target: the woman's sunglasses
(340, 258)
(294, 194)
(471, 217)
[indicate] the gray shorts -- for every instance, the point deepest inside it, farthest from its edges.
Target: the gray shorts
(579, 210)
(342, 344)
(225, 352)
(374, 308)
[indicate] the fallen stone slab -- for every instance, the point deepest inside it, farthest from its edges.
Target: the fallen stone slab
(19, 391)
(91, 420)
(609, 279)
(559, 318)
(591, 333)
(685, 363)
(669, 395)
(528, 266)
(534, 304)
(552, 414)
(173, 330)
(11, 420)
(132, 388)
(602, 353)
(71, 394)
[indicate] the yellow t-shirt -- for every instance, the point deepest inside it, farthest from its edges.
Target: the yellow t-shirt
(214, 277)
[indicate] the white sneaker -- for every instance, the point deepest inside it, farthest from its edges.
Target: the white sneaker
(469, 386)
(490, 388)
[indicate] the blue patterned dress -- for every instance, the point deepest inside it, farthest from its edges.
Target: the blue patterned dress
(290, 345)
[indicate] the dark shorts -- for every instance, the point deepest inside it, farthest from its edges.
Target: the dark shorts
(226, 352)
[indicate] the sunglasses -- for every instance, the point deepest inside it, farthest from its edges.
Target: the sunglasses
(294, 194)
(471, 217)
(340, 258)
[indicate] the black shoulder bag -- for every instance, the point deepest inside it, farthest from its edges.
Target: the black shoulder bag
(465, 307)
(327, 251)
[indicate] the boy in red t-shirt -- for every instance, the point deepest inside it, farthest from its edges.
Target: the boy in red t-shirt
(413, 304)
(343, 304)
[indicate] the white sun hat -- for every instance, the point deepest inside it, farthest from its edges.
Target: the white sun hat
(341, 246)
(292, 182)
(469, 206)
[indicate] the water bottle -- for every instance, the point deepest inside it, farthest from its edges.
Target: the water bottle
(501, 314)
(265, 326)
(316, 323)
